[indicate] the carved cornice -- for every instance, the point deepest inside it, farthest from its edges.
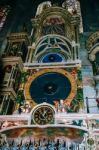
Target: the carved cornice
(7, 91)
(92, 55)
(12, 61)
(18, 37)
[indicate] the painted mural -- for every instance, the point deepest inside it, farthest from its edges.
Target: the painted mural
(48, 133)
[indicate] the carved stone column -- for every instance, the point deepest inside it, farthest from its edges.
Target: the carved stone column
(96, 78)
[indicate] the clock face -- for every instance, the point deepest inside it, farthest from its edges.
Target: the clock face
(49, 85)
(43, 114)
(52, 57)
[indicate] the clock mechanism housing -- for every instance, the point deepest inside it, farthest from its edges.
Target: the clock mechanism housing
(43, 114)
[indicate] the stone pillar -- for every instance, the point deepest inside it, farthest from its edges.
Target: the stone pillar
(75, 51)
(4, 105)
(96, 78)
(28, 56)
(1, 106)
(11, 76)
(36, 28)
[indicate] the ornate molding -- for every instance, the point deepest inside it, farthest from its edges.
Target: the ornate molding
(70, 20)
(92, 56)
(18, 37)
(13, 61)
(92, 40)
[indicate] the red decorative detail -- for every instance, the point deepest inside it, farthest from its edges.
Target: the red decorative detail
(56, 104)
(74, 71)
(53, 21)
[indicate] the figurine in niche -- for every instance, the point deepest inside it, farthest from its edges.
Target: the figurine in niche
(14, 49)
(8, 69)
(62, 107)
(19, 109)
(27, 107)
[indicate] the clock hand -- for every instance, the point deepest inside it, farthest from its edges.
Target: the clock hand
(43, 115)
(45, 112)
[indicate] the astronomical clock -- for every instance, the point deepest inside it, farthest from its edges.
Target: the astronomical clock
(43, 83)
(52, 71)
(51, 85)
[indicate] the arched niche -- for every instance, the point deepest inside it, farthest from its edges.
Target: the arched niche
(56, 17)
(92, 41)
(53, 24)
(94, 58)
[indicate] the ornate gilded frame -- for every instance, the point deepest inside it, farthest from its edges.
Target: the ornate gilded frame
(67, 101)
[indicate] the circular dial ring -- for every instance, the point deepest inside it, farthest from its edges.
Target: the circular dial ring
(43, 114)
(72, 93)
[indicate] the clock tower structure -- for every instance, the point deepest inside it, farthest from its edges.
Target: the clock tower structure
(42, 89)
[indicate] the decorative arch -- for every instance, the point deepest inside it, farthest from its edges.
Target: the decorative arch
(61, 38)
(94, 51)
(56, 45)
(92, 41)
(54, 11)
(59, 13)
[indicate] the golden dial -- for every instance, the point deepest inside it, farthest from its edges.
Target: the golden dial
(43, 114)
